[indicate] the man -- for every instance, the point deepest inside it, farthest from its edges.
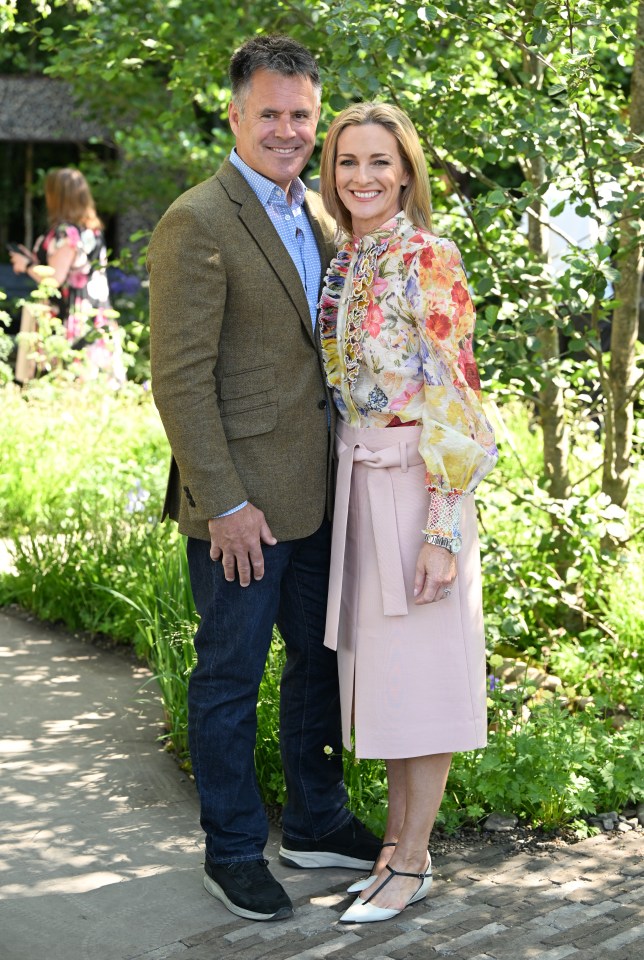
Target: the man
(235, 273)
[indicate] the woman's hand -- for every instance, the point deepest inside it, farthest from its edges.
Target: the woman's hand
(21, 261)
(435, 572)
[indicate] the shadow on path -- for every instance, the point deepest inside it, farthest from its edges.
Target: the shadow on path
(101, 850)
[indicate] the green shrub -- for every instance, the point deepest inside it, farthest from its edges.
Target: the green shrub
(81, 486)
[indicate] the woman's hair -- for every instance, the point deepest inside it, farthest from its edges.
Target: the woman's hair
(69, 199)
(415, 198)
(275, 53)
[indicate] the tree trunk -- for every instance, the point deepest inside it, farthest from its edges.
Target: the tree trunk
(551, 398)
(622, 375)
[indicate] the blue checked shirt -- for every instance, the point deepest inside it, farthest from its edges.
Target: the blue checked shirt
(292, 226)
(294, 230)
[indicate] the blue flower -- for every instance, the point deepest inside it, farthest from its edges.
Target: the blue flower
(123, 284)
(377, 399)
(136, 498)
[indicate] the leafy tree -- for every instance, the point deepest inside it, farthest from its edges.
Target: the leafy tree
(523, 111)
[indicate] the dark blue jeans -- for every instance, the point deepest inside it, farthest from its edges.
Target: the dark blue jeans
(232, 644)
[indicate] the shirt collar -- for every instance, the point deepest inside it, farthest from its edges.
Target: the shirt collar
(383, 233)
(265, 190)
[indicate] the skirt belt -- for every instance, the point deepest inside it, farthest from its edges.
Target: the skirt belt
(400, 455)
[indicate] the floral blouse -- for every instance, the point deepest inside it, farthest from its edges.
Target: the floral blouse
(84, 302)
(396, 327)
(85, 292)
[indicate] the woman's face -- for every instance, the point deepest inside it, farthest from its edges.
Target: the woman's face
(369, 175)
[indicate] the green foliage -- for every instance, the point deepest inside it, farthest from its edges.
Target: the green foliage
(6, 344)
(521, 109)
(546, 764)
(164, 624)
(134, 323)
(587, 627)
(71, 450)
(81, 485)
(267, 752)
(522, 112)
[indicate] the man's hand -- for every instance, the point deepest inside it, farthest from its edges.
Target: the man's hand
(237, 540)
(435, 572)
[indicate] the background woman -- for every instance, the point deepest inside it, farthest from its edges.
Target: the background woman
(396, 325)
(74, 248)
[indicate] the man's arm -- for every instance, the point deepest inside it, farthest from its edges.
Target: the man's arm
(187, 304)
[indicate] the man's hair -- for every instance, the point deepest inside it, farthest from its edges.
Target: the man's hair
(276, 53)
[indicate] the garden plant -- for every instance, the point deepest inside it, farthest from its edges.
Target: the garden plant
(532, 117)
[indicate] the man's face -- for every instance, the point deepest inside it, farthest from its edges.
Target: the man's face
(276, 133)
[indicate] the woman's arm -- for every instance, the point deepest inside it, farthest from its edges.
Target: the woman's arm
(60, 259)
(457, 442)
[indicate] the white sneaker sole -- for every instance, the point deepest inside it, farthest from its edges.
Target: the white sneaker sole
(313, 859)
(216, 891)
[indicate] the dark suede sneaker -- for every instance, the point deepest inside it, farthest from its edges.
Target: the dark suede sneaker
(248, 889)
(352, 846)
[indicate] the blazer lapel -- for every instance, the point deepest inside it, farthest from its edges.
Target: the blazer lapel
(325, 243)
(258, 224)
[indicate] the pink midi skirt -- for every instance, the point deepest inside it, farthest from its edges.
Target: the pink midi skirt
(412, 678)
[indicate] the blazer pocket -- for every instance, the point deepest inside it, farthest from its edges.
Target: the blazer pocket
(248, 403)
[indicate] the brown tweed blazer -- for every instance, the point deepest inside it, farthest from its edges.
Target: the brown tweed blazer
(236, 369)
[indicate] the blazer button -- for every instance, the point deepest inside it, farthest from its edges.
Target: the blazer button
(321, 404)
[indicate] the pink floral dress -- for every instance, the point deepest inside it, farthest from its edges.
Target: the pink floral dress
(84, 304)
(396, 327)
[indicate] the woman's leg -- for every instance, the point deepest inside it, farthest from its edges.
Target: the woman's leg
(396, 802)
(418, 786)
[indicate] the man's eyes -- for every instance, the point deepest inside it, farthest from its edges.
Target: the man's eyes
(300, 117)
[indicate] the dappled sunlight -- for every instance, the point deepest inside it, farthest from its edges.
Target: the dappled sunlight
(30, 678)
(15, 746)
(75, 660)
(46, 770)
(13, 652)
(64, 726)
(81, 883)
(92, 797)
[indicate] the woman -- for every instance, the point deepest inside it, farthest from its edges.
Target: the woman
(405, 608)
(74, 248)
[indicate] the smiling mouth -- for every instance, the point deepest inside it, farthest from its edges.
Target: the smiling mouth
(283, 151)
(365, 194)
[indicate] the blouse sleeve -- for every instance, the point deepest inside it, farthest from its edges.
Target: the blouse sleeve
(65, 234)
(457, 442)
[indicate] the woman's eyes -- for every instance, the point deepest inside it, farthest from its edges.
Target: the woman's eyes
(352, 163)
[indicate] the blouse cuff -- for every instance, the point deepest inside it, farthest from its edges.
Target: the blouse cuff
(444, 519)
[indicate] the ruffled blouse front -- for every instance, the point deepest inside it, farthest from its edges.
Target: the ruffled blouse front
(396, 326)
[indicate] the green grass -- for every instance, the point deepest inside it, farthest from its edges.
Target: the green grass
(81, 484)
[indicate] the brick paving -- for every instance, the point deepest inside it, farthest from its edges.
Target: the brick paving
(584, 902)
(101, 853)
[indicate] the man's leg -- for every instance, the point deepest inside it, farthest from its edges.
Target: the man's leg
(232, 644)
(319, 830)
